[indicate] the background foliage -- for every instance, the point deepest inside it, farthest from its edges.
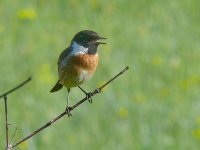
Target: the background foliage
(154, 106)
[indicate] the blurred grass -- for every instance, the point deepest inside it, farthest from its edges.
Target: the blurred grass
(154, 106)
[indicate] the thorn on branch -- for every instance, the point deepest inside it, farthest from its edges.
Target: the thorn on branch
(97, 91)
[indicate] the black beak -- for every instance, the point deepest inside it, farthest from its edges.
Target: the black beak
(100, 38)
(100, 43)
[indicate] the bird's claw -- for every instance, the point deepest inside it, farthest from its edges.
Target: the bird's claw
(67, 110)
(89, 97)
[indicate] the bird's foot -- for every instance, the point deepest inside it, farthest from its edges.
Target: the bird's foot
(89, 97)
(67, 110)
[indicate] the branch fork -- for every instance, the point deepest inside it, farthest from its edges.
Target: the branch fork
(9, 146)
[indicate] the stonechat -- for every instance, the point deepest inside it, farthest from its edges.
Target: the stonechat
(78, 62)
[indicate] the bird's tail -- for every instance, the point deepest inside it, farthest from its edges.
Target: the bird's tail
(56, 87)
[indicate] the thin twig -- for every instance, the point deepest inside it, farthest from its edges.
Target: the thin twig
(8, 146)
(15, 88)
(13, 135)
(6, 114)
(96, 91)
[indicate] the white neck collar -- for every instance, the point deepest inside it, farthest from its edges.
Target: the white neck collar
(78, 49)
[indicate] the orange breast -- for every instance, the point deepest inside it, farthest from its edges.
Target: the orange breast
(85, 61)
(78, 69)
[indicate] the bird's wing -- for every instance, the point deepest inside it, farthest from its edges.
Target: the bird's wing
(62, 62)
(64, 54)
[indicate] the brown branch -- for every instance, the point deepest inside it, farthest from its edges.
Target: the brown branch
(6, 114)
(8, 146)
(96, 91)
(15, 88)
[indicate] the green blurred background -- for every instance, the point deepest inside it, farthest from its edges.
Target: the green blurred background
(155, 105)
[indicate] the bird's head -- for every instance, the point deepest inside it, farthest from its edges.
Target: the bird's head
(87, 38)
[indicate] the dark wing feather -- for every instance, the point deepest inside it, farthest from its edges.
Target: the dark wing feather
(64, 54)
(56, 87)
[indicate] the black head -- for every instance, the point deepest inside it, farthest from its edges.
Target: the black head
(87, 38)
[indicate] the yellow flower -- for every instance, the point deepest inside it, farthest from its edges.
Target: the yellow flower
(194, 79)
(44, 74)
(185, 84)
(140, 98)
(196, 133)
(27, 14)
(123, 112)
(157, 60)
(94, 3)
(191, 81)
(23, 145)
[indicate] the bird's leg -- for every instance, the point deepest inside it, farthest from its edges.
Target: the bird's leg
(88, 95)
(68, 108)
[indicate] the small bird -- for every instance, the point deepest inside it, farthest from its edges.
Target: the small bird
(78, 62)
